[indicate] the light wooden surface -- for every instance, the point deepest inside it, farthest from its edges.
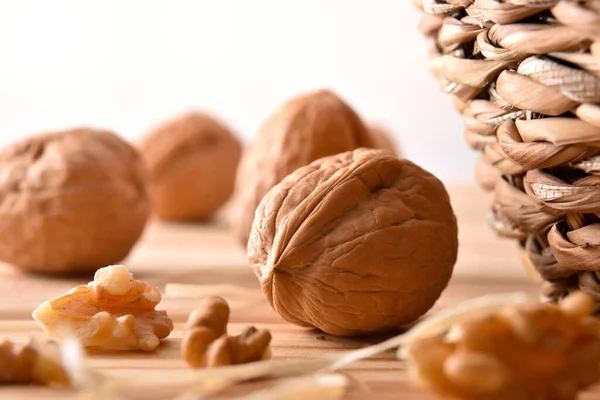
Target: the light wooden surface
(208, 255)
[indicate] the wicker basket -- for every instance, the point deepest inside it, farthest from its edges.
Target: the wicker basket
(525, 74)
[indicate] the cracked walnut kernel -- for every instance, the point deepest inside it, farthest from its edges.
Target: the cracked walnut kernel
(205, 341)
(33, 362)
(540, 351)
(113, 312)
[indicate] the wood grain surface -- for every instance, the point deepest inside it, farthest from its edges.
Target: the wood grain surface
(208, 255)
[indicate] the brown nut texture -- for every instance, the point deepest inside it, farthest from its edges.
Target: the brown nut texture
(304, 129)
(353, 244)
(531, 351)
(113, 312)
(192, 162)
(33, 362)
(205, 342)
(70, 201)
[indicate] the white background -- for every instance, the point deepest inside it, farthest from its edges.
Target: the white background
(126, 65)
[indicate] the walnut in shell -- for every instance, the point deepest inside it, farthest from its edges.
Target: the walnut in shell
(192, 163)
(356, 243)
(304, 129)
(70, 201)
(113, 312)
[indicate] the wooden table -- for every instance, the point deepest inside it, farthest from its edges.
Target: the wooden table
(208, 255)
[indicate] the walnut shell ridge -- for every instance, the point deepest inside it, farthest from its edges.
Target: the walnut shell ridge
(192, 161)
(70, 201)
(356, 243)
(304, 129)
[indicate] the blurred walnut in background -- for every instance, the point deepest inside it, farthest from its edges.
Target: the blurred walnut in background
(70, 201)
(302, 130)
(192, 161)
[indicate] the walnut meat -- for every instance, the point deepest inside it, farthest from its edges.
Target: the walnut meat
(113, 312)
(33, 362)
(192, 162)
(70, 201)
(382, 139)
(533, 351)
(205, 342)
(304, 129)
(355, 243)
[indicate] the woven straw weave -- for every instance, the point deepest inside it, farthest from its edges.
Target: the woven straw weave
(525, 74)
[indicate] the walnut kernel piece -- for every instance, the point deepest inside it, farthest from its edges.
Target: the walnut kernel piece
(353, 244)
(113, 312)
(528, 351)
(34, 362)
(205, 342)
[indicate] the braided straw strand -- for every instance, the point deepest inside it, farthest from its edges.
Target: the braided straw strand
(525, 75)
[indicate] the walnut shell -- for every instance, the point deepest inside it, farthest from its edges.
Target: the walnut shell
(304, 129)
(356, 243)
(70, 201)
(192, 163)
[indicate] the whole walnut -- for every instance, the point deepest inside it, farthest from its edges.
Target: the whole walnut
(356, 243)
(192, 163)
(304, 129)
(70, 201)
